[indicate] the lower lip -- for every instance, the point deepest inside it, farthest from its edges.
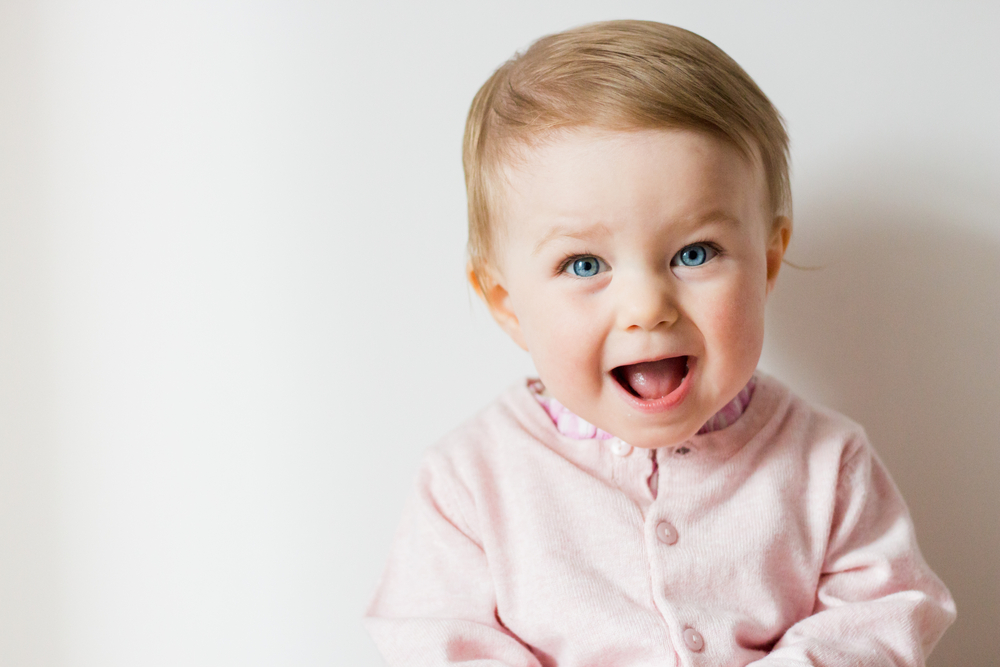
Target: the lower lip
(663, 403)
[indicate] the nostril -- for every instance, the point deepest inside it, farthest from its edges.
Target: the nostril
(646, 305)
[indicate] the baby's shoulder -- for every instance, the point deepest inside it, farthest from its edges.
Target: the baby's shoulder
(510, 430)
(809, 429)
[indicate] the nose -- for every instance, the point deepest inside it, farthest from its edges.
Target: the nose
(647, 302)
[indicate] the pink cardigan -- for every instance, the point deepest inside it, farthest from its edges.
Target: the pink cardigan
(780, 540)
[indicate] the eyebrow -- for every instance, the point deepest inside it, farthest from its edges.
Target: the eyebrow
(590, 231)
(564, 231)
(716, 218)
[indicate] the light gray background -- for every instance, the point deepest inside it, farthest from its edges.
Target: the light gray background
(232, 308)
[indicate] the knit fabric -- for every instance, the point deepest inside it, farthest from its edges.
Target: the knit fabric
(777, 541)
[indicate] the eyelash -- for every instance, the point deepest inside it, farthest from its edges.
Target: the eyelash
(568, 262)
(708, 244)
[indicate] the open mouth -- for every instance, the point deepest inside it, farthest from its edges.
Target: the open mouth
(652, 380)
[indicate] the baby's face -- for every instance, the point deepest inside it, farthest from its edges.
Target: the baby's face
(634, 268)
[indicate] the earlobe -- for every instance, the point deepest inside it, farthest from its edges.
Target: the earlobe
(776, 247)
(497, 299)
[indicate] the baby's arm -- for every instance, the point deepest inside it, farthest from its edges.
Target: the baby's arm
(435, 604)
(877, 603)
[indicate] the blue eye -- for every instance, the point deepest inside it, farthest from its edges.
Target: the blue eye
(585, 267)
(695, 254)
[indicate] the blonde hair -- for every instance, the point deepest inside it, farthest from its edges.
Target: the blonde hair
(618, 75)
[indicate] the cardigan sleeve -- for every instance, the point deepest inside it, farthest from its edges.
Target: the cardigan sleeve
(877, 601)
(435, 604)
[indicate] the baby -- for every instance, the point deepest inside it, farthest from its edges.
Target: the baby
(652, 498)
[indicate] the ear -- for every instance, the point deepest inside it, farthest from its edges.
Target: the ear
(497, 299)
(781, 234)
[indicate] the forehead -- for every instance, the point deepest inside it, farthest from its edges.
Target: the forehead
(595, 176)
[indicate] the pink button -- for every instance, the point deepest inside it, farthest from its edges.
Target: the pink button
(620, 447)
(666, 533)
(694, 640)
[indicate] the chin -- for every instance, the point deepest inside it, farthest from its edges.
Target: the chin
(656, 437)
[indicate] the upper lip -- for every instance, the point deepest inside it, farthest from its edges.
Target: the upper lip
(650, 359)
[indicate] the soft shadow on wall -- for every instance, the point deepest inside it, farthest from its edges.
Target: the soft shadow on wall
(900, 330)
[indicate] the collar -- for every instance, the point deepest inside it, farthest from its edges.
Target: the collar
(577, 428)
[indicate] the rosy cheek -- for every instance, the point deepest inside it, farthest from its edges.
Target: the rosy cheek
(733, 321)
(566, 349)
(568, 342)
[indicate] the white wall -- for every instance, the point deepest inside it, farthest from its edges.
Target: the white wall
(232, 310)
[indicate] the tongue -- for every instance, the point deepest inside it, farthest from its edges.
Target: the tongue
(655, 379)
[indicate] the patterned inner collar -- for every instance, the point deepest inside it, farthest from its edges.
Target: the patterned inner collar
(572, 426)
